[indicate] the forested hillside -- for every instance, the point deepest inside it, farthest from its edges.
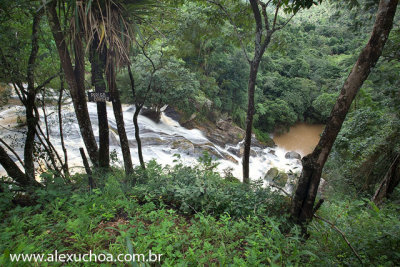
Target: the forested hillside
(143, 128)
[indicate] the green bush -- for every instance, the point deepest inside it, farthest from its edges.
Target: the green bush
(200, 189)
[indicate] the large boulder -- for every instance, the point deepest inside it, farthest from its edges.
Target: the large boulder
(277, 177)
(172, 113)
(281, 179)
(148, 141)
(151, 114)
(292, 155)
(271, 174)
(264, 144)
(223, 132)
(238, 152)
(210, 148)
(183, 145)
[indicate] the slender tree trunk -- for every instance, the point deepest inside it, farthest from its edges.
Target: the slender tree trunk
(389, 182)
(75, 81)
(119, 118)
(304, 198)
(60, 123)
(260, 45)
(135, 119)
(31, 117)
(137, 135)
(98, 61)
(249, 119)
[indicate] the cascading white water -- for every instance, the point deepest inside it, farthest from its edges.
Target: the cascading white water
(160, 141)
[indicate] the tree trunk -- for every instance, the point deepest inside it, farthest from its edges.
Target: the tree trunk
(13, 171)
(119, 118)
(249, 119)
(304, 198)
(98, 61)
(259, 49)
(389, 182)
(135, 118)
(137, 135)
(31, 117)
(60, 124)
(75, 81)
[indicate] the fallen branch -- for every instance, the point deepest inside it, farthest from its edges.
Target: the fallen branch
(343, 235)
(281, 189)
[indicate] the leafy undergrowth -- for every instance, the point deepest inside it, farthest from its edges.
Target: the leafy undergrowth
(193, 217)
(373, 232)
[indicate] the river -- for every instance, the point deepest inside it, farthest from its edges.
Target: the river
(161, 141)
(301, 137)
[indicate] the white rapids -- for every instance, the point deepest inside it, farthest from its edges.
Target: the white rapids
(160, 141)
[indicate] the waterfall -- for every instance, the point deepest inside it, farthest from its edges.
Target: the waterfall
(161, 141)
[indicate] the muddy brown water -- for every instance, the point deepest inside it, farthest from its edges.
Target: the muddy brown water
(302, 138)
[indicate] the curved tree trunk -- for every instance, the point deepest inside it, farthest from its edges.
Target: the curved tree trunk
(135, 118)
(119, 118)
(304, 198)
(98, 61)
(260, 46)
(389, 182)
(137, 136)
(75, 80)
(14, 172)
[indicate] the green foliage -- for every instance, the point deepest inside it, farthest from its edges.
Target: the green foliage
(264, 137)
(201, 189)
(271, 113)
(193, 217)
(230, 224)
(169, 83)
(323, 104)
(372, 231)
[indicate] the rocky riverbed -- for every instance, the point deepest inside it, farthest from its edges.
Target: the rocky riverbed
(162, 141)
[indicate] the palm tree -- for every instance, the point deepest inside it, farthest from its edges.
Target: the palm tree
(111, 26)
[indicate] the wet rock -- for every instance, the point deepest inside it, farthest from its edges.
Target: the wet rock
(151, 114)
(257, 143)
(211, 150)
(277, 177)
(223, 132)
(271, 174)
(184, 146)
(230, 158)
(281, 179)
(189, 123)
(253, 153)
(152, 141)
(113, 139)
(172, 113)
(235, 151)
(292, 155)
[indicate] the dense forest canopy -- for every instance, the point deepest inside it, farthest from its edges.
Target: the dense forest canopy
(222, 70)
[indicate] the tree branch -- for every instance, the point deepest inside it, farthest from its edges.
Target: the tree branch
(12, 151)
(284, 24)
(39, 87)
(342, 234)
(276, 14)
